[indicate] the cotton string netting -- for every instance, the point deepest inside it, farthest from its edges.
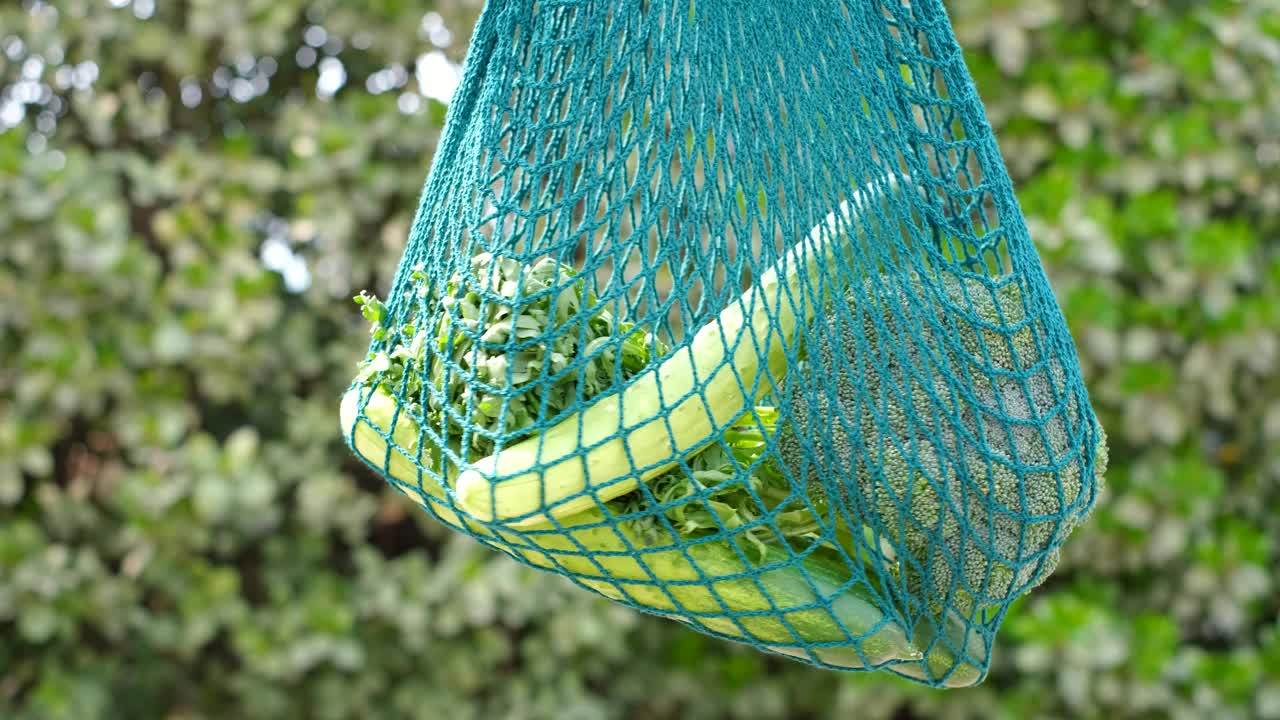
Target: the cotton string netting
(726, 311)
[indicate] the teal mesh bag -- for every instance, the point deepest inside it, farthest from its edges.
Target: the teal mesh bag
(725, 310)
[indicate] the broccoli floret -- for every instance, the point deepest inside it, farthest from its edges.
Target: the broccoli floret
(952, 460)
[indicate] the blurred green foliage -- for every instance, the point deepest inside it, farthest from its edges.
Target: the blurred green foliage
(191, 192)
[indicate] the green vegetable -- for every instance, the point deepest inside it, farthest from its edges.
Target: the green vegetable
(910, 477)
(471, 334)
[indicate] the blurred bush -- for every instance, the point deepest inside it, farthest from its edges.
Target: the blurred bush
(190, 192)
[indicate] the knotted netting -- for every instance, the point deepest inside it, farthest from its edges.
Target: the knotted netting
(725, 310)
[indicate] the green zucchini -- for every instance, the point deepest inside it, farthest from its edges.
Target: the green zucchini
(706, 587)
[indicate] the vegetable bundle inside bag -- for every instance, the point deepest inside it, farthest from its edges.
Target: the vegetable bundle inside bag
(703, 507)
(615, 350)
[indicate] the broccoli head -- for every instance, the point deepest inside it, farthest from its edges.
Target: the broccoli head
(947, 426)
